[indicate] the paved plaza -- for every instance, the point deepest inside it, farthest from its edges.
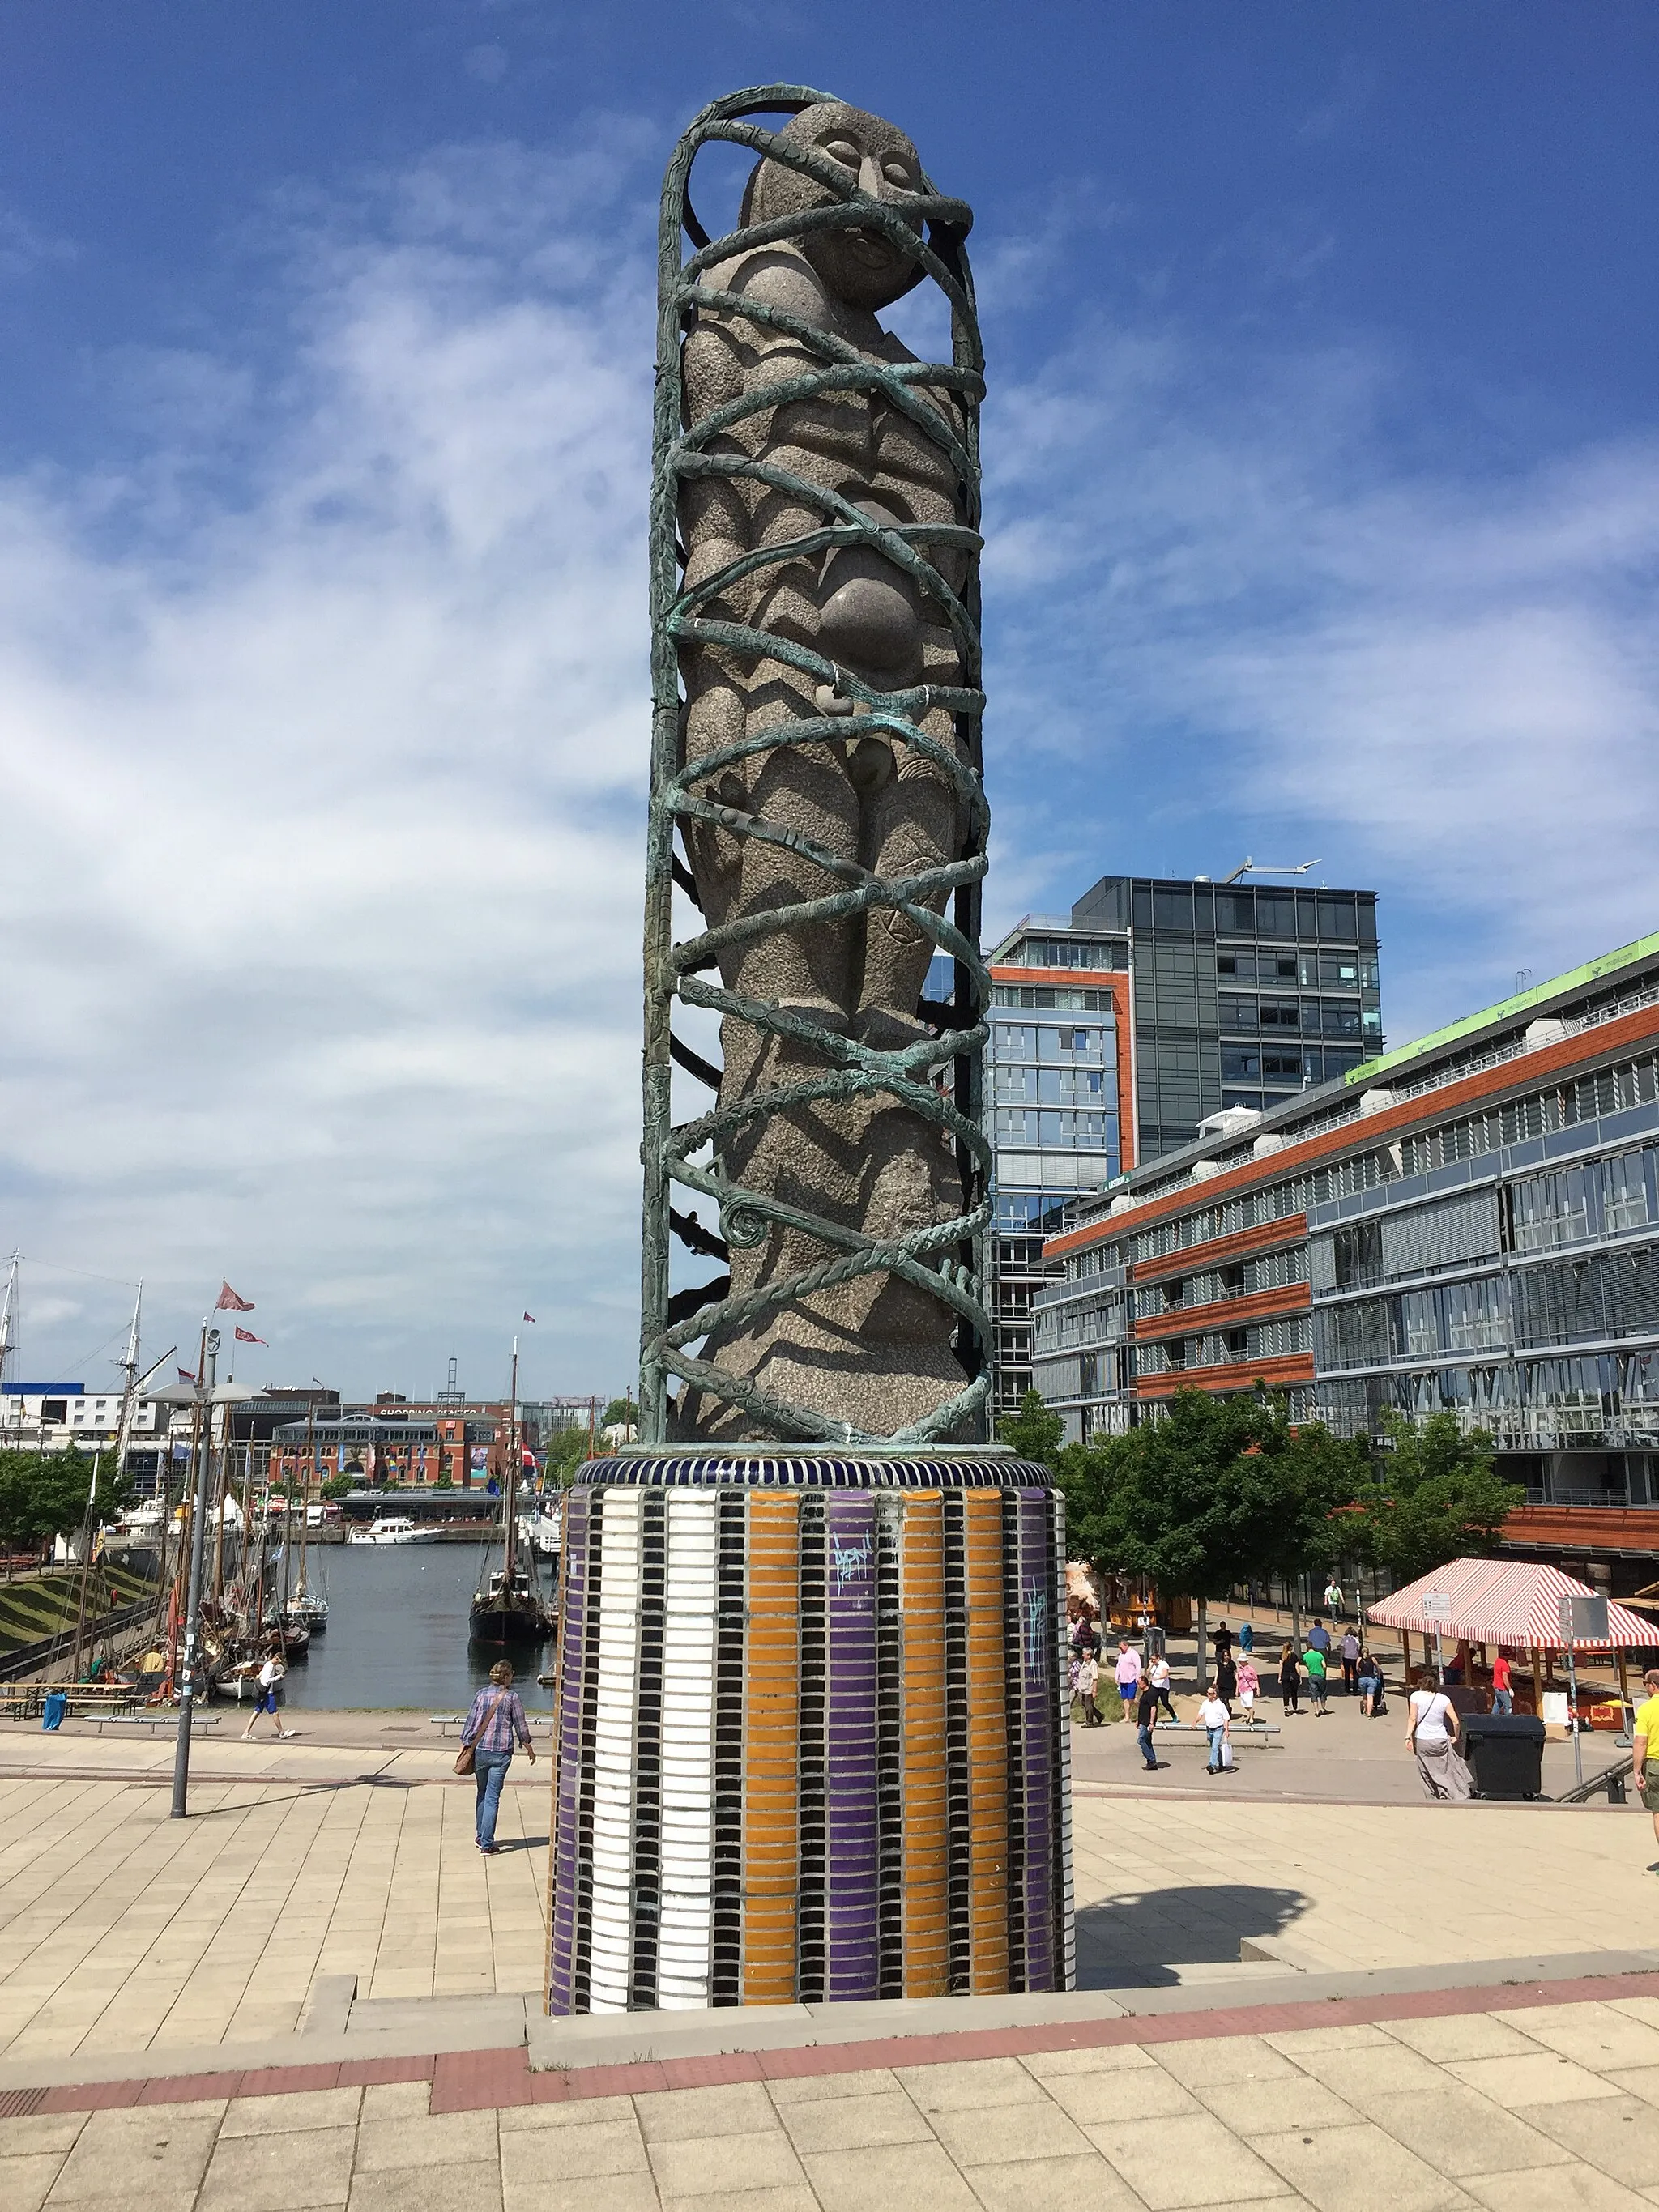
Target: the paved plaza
(1538, 2108)
(1297, 2015)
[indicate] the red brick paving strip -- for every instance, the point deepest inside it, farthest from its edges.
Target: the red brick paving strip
(481, 2080)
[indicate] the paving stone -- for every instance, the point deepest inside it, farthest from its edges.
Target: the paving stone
(1557, 2189)
(579, 2112)
(894, 2178)
(728, 2108)
(1094, 2058)
(719, 2165)
(438, 2188)
(1463, 2035)
(445, 2139)
(1138, 2093)
(38, 2131)
(790, 2197)
(1594, 2034)
(1190, 2160)
(1081, 2184)
(1256, 2108)
(130, 2157)
(853, 2123)
(1523, 2083)
(1357, 2168)
(531, 2157)
(266, 2172)
(1619, 2135)
(1458, 2131)
(807, 2089)
(25, 2180)
(291, 2111)
(969, 2085)
(1218, 2059)
(1002, 2133)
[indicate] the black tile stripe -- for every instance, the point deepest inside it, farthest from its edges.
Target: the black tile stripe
(731, 1607)
(1053, 1522)
(811, 1925)
(890, 1753)
(647, 1751)
(581, 1971)
(958, 1863)
(1013, 1736)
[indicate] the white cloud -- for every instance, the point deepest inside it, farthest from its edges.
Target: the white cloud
(324, 727)
(1213, 585)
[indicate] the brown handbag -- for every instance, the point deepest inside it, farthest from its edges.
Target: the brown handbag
(464, 1759)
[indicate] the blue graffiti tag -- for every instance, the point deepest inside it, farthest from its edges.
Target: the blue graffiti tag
(1036, 1630)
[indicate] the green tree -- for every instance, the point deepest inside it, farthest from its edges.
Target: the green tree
(44, 1494)
(337, 1486)
(1034, 1432)
(445, 1481)
(1432, 1494)
(1219, 1490)
(566, 1450)
(621, 1412)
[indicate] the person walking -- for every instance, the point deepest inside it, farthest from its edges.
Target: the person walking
(1503, 1691)
(1290, 1678)
(1318, 1637)
(1334, 1597)
(1216, 1722)
(1431, 1733)
(1249, 1687)
(1246, 1638)
(271, 1675)
(1088, 1685)
(1349, 1650)
(1369, 1677)
(1128, 1672)
(1223, 1641)
(1643, 1731)
(1318, 1665)
(1157, 1677)
(1145, 1714)
(1226, 1682)
(496, 1719)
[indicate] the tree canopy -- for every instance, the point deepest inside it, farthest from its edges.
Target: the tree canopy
(1432, 1494)
(1033, 1431)
(44, 1494)
(1219, 1490)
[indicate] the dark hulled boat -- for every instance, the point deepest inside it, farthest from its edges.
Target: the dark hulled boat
(509, 1608)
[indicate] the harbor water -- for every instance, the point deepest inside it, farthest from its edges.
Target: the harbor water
(396, 1630)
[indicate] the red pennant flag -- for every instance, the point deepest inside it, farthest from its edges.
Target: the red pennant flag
(530, 1317)
(185, 1375)
(229, 1302)
(247, 1336)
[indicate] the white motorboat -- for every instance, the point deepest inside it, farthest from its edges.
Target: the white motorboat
(393, 1529)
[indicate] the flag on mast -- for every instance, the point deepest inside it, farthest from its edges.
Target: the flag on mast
(228, 1301)
(247, 1336)
(530, 1317)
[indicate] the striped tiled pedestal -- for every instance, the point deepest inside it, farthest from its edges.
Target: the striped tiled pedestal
(810, 1730)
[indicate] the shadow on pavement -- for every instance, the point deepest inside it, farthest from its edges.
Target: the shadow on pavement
(1136, 1941)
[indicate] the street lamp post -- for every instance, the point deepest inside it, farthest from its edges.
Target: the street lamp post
(204, 1395)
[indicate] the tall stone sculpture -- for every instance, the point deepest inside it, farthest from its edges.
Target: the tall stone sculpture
(808, 1732)
(818, 747)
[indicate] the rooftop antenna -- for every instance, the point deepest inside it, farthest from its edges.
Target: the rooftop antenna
(452, 1394)
(1250, 868)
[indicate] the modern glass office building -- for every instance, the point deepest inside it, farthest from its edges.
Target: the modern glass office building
(1244, 996)
(1118, 1030)
(1467, 1224)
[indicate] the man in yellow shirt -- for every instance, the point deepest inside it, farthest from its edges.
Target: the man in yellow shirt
(1645, 1736)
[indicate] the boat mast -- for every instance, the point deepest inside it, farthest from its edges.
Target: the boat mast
(511, 1470)
(130, 1366)
(8, 1313)
(304, 1504)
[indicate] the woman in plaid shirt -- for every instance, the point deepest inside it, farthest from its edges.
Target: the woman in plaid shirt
(496, 1717)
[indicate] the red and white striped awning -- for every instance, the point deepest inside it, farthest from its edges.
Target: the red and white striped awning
(1509, 1602)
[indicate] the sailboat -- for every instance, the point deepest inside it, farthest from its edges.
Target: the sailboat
(303, 1607)
(509, 1608)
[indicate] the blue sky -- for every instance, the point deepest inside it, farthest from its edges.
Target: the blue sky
(1322, 472)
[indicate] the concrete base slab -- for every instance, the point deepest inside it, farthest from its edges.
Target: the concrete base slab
(624, 2038)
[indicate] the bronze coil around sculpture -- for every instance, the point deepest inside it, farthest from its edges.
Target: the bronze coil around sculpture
(806, 1058)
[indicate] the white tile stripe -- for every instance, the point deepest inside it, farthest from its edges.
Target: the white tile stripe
(687, 1752)
(614, 1721)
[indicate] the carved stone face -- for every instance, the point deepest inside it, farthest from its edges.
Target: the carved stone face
(861, 267)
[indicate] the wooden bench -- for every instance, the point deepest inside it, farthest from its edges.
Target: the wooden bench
(1262, 1733)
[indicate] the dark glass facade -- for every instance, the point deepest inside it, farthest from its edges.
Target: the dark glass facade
(1244, 996)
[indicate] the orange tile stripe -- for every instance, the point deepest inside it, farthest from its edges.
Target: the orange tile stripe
(987, 1744)
(770, 1859)
(921, 1600)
